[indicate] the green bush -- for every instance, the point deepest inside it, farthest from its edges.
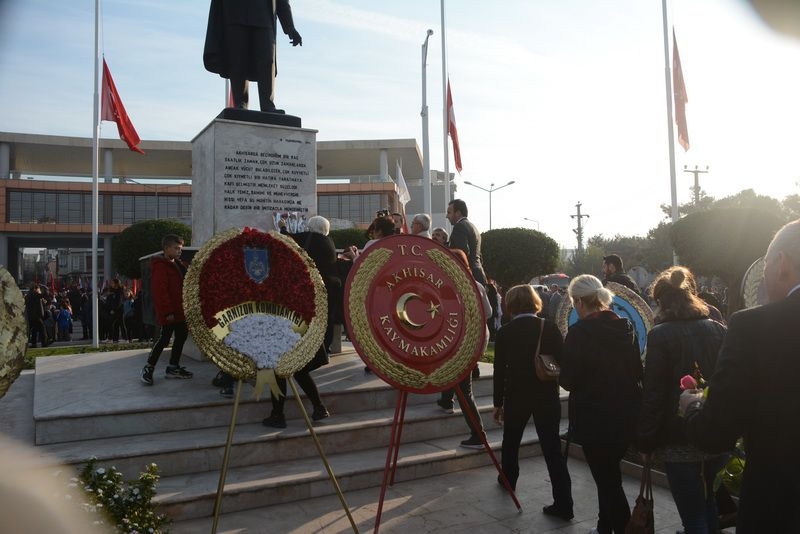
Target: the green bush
(513, 256)
(125, 506)
(141, 239)
(345, 237)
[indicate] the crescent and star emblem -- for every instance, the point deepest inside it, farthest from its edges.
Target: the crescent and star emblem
(402, 312)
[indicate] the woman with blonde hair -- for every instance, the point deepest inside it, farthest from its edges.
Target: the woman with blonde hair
(685, 341)
(601, 368)
(519, 394)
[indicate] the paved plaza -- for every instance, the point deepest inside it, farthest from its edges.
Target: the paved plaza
(460, 501)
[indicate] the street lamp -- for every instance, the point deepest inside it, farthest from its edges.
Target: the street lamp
(533, 221)
(491, 190)
(426, 155)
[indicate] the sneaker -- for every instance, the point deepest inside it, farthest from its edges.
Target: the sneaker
(275, 421)
(557, 511)
(474, 442)
(448, 408)
(320, 412)
(226, 392)
(147, 374)
(176, 371)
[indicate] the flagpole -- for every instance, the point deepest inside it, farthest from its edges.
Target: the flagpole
(446, 115)
(95, 177)
(426, 151)
(671, 135)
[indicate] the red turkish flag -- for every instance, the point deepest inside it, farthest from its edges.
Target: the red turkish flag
(679, 95)
(451, 128)
(111, 109)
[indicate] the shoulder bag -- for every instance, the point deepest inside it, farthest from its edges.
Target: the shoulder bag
(547, 370)
(641, 521)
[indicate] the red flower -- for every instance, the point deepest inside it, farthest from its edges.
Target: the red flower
(225, 283)
(688, 382)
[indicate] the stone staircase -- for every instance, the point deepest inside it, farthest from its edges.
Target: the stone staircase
(182, 426)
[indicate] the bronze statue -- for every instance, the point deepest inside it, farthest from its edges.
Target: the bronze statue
(240, 45)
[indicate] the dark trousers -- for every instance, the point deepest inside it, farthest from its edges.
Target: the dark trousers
(117, 326)
(181, 333)
(546, 416)
(36, 330)
(692, 487)
(614, 511)
(303, 378)
(466, 388)
(251, 46)
(86, 325)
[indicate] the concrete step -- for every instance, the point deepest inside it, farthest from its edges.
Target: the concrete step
(201, 449)
(94, 405)
(185, 497)
(91, 396)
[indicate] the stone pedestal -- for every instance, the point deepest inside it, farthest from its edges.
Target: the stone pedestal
(244, 173)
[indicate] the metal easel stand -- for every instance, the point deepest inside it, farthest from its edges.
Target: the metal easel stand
(226, 457)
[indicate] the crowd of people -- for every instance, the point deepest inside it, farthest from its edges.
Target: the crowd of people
(739, 386)
(618, 404)
(617, 400)
(56, 315)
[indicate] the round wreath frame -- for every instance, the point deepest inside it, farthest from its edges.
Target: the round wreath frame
(752, 282)
(636, 301)
(230, 360)
(407, 377)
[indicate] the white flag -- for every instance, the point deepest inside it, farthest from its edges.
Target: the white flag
(403, 194)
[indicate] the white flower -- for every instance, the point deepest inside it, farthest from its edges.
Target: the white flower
(263, 338)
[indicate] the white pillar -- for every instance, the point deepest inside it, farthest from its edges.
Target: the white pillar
(383, 164)
(108, 165)
(5, 161)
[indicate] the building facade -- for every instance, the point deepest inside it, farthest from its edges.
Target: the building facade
(46, 191)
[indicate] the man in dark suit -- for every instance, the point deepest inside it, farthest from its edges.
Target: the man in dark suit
(240, 45)
(466, 237)
(754, 394)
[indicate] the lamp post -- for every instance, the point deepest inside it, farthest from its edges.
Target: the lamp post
(426, 156)
(533, 221)
(491, 190)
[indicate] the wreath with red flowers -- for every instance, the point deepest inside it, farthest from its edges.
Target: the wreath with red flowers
(218, 291)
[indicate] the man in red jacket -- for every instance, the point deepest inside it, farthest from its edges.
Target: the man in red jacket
(167, 274)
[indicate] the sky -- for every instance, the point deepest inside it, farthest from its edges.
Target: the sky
(566, 98)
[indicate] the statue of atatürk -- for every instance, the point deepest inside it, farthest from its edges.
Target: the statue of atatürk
(240, 45)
